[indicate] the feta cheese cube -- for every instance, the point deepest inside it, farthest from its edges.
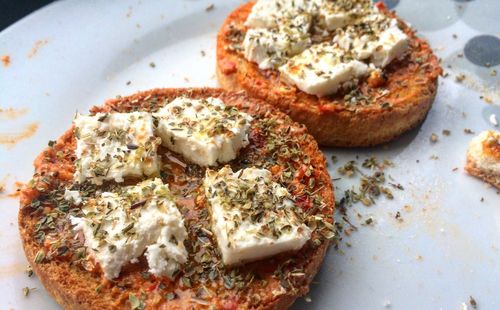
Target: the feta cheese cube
(112, 146)
(252, 216)
(119, 228)
(204, 131)
(392, 44)
(377, 39)
(271, 13)
(270, 48)
(334, 20)
(322, 69)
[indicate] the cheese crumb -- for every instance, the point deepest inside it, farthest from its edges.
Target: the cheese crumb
(252, 216)
(493, 120)
(72, 196)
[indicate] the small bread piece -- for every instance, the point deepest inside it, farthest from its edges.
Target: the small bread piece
(483, 157)
(276, 143)
(381, 108)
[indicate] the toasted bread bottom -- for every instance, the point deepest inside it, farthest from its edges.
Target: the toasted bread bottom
(71, 291)
(354, 129)
(411, 84)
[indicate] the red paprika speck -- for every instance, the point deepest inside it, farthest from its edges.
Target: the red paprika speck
(380, 5)
(228, 66)
(230, 304)
(303, 202)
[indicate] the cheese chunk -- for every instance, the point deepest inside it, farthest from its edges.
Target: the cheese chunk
(112, 146)
(322, 69)
(252, 216)
(484, 151)
(271, 13)
(377, 39)
(337, 14)
(392, 44)
(204, 131)
(73, 197)
(270, 48)
(119, 227)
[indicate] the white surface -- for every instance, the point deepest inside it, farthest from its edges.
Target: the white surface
(95, 47)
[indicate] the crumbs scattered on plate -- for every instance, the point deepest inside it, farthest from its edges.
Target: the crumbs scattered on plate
(36, 47)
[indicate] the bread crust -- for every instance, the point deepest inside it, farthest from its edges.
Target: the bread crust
(75, 288)
(412, 85)
(472, 169)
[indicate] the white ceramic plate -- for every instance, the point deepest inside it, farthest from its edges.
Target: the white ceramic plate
(74, 54)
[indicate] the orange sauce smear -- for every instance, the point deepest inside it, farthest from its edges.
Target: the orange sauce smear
(491, 145)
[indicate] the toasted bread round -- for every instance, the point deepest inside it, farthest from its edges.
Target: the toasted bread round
(276, 142)
(399, 102)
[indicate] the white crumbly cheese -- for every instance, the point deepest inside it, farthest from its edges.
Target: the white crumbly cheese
(271, 13)
(119, 228)
(252, 216)
(280, 29)
(392, 44)
(322, 69)
(270, 48)
(112, 146)
(377, 39)
(483, 160)
(204, 131)
(72, 196)
(337, 14)
(493, 119)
